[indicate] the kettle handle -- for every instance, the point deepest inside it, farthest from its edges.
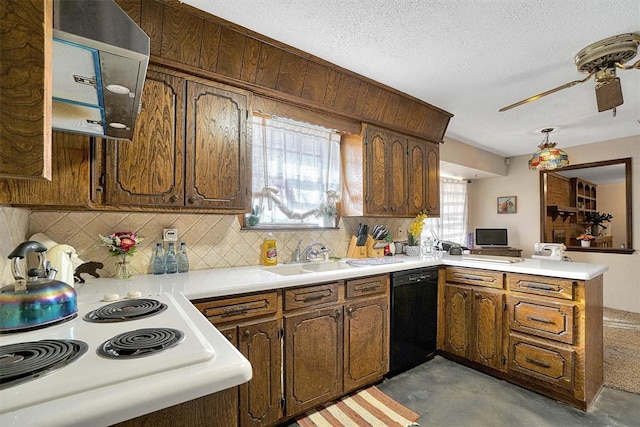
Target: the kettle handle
(25, 247)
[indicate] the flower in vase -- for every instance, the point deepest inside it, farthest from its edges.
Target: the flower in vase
(121, 243)
(586, 237)
(415, 229)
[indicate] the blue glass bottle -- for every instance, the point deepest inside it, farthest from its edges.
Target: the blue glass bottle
(183, 259)
(158, 260)
(170, 260)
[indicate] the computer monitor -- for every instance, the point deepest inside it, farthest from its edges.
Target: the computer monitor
(491, 237)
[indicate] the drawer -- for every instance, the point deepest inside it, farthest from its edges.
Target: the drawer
(547, 319)
(241, 307)
(541, 285)
(470, 276)
(541, 360)
(367, 286)
(310, 296)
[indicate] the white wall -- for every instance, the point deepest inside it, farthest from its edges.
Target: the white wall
(622, 281)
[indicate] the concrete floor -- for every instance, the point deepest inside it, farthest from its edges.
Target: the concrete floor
(448, 394)
(445, 393)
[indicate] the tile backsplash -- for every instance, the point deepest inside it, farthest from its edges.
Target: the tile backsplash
(213, 241)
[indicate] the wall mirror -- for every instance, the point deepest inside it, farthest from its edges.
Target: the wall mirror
(573, 200)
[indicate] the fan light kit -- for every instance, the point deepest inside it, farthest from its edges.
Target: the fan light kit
(601, 60)
(548, 157)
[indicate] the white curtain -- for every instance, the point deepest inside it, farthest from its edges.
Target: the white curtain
(452, 224)
(294, 166)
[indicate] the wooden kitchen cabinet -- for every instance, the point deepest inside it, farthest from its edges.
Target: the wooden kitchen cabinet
(386, 173)
(543, 333)
(25, 99)
(555, 336)
(190, 149)
(253, 325)
(474, 324)
(366, 341)
(389, 175)
(70, 177)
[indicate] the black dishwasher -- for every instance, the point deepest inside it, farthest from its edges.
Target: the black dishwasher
(414, 314)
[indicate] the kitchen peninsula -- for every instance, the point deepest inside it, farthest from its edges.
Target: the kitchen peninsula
(212, 364)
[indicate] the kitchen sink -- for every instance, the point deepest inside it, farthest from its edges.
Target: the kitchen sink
(308, 267)
(326, 266)
(288, 271)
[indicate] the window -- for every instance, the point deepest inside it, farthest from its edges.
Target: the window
(452, 224)
(295, 173)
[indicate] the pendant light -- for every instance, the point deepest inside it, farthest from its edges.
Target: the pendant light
(548, 156)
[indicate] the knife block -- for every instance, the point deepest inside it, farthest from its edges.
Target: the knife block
(355, 251)
(375, 248)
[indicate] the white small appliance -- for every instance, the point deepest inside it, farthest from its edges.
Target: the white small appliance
(551, 251)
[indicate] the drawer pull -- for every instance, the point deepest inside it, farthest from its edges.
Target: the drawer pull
(537, 362)
(313, 297)
(233, 311)
(540, 319)
(540, 286)
(368, 288)
(475, 278)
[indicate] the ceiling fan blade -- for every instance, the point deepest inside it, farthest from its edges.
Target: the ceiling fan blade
(549, 92)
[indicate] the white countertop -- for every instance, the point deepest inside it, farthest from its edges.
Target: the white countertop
(224, 366)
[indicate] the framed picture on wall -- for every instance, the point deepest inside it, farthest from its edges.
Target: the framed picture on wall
(507, 205)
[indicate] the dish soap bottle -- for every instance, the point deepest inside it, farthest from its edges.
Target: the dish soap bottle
(183, 260)
(269, 251)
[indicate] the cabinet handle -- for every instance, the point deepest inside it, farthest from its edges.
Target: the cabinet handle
(191, 200)
(472, 277)
(477, 296)
(464, 294)
(368, 288)
(537, 362)
(173, 198)
(247, 333)
(229, 337)
(338, 313)
(350, 310)
(234, 311)
(313, 297)
(532, 285)
(540, 319)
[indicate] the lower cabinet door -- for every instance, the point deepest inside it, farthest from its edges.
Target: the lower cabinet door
(366, 342)
(542, 360)
(313, 358)
(260, 398)
(487, 326)
(457, 319)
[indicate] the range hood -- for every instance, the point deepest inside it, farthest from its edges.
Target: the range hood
(100, 59)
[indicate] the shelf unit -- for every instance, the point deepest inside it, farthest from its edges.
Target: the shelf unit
(584, 195)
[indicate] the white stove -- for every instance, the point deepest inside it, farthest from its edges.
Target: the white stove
(92, 372)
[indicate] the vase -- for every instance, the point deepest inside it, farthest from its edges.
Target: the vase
(412, 250)
(328, 222)
(123, 269)
(585, 243)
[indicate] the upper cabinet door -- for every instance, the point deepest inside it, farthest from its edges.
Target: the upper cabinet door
(148, 171)
(424, 185)
(216, 153)
(377, 172)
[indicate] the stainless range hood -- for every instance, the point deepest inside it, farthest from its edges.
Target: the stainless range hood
(100, 59)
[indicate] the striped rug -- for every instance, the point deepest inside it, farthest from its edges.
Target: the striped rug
(368, 407)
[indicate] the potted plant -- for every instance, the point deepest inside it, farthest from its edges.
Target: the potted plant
(415, 230)
(254, 217)
(327, 212)
(597, 220)
(585, 239)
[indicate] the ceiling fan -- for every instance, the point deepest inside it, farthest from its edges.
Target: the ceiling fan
(600, 59)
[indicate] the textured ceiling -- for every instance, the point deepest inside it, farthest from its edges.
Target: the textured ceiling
(467, 57)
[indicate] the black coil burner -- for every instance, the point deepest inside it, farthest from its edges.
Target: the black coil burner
(140, 343)
(121, 311)
(26, 361)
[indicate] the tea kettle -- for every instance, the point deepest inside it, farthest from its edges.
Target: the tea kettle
(38, 300)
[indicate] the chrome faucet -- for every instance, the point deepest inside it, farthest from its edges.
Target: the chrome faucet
(310, 253)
